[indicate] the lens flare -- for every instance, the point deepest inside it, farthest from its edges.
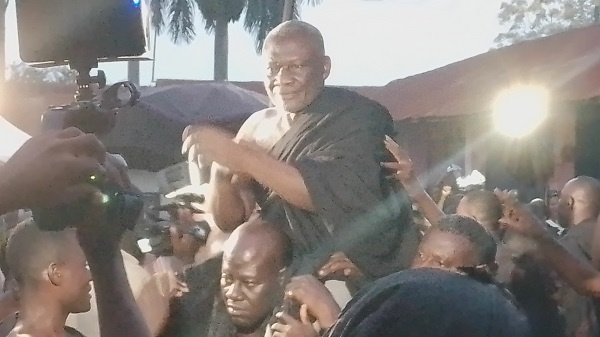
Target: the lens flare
(519, 110)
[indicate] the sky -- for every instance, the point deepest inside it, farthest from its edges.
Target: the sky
(371, 42)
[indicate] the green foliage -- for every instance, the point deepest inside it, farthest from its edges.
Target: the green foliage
(23, 75)
(531, 19)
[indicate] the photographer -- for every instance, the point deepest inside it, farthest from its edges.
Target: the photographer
(52, 169)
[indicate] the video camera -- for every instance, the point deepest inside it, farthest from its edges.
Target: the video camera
(81, 33)
(157, 233)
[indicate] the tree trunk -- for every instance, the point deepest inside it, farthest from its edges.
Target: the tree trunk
(133, 72)
(288, 10)
(4, 5)
(221, 50)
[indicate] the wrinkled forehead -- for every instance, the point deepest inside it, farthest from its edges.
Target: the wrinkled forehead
(250, 259)
(293, 46)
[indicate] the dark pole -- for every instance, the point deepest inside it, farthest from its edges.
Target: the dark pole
(596, 14)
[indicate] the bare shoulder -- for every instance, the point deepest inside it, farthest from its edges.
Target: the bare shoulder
(256, 119)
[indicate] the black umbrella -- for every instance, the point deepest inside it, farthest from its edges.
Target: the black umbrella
(148, 135)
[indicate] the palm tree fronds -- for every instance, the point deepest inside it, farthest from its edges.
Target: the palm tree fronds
(157, 18)
(181, 24)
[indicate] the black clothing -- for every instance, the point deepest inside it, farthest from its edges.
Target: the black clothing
(337, 145)
(430, 303)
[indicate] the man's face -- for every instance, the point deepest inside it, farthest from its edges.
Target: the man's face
(76, 287)
(564, 207)
(296, 72)
(444, 250)
(250, 285)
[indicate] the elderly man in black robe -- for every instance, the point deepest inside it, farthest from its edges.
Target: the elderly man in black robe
(311, 161)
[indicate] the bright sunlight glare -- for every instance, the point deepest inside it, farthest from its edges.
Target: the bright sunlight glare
(519, 110)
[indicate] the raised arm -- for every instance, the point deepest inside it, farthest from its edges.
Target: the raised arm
(404, 174)
(579, 274)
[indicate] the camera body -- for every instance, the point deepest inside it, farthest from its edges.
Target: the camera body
(121, 208)
(157, 231)
(159, 236)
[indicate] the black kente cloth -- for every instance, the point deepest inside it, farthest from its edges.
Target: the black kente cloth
(430, 303)
(191, 314)
(337, 145)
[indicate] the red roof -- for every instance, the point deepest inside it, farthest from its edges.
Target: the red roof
(567, 63)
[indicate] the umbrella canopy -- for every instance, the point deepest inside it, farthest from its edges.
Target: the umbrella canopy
(12, 139)
(148, 135)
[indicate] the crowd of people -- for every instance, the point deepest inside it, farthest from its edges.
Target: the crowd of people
(310, 196)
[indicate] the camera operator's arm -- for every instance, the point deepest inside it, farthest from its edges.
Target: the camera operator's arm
(50, 169)
(118, 312)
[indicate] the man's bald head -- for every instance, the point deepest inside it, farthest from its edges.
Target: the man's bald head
(258, 240)
(297, 30)
(30, 251)
(252, 274)
(483, 206)
(579, 200)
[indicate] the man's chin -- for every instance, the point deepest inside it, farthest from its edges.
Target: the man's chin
(245, 324)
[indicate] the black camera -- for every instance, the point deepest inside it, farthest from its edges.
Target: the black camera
(121, 209)
(80, 33)
(158, 233)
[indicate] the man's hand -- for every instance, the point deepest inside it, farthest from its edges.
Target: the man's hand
(446, 191)
(310, 292)
(291, 327)
(339, 267)
(518, 218)
(97, 236)
(403, 166)
(51, 169)
(214, 144)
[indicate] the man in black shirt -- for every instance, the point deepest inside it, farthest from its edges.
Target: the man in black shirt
(311, 163)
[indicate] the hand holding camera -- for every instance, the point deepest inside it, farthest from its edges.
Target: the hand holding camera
(51, 169)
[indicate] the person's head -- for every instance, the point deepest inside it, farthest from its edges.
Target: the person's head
(539, 208)
(483, 206)
(296, 65)
(579, 200)
(456, 242)
(451, 203)
(255, 258)
(50, 265)
(430, 303)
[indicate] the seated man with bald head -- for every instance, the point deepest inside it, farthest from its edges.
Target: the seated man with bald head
(53, 279)
(253, 276)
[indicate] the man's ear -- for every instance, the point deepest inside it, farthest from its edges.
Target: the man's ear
(571, 202)
(54, 274)
(326, 67)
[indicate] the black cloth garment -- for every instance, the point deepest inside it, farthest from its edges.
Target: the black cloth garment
(337, 145)
(581, 312)
(430, 303)
(190, 315)
(533, 286)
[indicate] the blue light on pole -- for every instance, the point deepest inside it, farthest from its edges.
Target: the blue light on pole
(136, 2)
